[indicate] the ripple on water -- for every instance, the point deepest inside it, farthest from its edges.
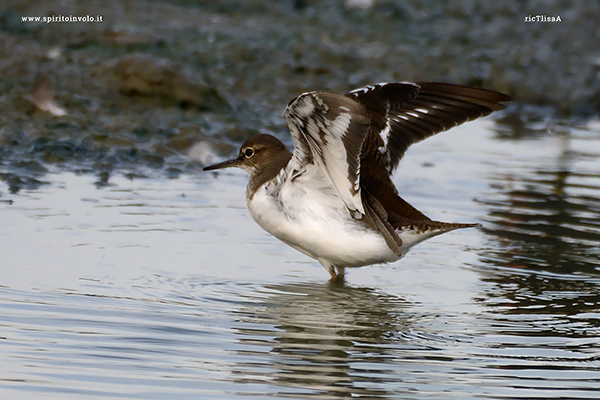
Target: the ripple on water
(220, 339)
(75, 344)
(173, 296)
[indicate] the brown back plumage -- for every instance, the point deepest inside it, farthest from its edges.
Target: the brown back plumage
(402, 114)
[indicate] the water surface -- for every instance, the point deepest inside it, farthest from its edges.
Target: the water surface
(165, 288)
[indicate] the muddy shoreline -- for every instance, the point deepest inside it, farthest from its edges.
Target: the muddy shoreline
(151, 80)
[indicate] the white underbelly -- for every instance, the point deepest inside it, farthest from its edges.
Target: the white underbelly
(319, 226)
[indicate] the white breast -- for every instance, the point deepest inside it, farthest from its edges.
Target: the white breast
(307, 214)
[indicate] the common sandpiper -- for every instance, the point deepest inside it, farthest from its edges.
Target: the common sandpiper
(333, 198)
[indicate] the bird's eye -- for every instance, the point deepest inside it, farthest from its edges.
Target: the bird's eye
(248, 152)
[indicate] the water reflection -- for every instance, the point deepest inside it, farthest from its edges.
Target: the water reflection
(544, 226)
(323, 340)
(544, 230)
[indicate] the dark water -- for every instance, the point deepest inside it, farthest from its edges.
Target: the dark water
(165, 288)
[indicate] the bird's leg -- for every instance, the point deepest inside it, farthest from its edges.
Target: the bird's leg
(337, 273)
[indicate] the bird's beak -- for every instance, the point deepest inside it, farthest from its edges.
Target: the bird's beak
(225, 164)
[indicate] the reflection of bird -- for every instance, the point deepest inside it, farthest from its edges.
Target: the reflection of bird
(333, 199)
(299, 348)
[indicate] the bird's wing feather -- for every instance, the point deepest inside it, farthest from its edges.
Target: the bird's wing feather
(328, 130)
(406, 113)
(358, 139)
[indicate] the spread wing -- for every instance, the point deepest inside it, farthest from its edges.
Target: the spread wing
(328, 130)
(358, 139)
(406, 113)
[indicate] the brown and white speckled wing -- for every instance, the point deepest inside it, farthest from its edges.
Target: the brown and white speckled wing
(329, 130)
(402, 114)
(405, 113)
(359, 138)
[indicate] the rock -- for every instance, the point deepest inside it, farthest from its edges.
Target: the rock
(42, 96)
(203, 153)
(147, 75)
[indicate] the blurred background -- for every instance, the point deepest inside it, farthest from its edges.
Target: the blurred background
(136, 91)
(126, 272)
